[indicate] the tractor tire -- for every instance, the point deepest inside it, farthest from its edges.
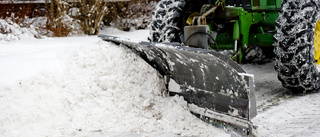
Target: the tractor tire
(294, 45)
(169, 17)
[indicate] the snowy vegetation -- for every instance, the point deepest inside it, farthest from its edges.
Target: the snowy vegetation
(12, 28)
(67, 19)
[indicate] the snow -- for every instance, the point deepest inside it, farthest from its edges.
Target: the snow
(83, 86)
(12, 31)
(281, 113)
(25, 58)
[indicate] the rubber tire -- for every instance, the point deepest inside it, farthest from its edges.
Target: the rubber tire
(294, 50)
(169, 18)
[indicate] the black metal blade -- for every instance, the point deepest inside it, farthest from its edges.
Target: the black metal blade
(203, 77)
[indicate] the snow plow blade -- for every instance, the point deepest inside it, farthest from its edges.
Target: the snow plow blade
(213, 85)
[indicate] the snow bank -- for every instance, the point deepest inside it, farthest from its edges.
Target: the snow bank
(105, 89)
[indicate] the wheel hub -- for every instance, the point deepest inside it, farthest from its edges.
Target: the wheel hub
(191, 16)
(317, 44)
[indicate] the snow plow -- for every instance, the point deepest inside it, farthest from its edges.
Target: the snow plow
(214, 86)
(186, 34)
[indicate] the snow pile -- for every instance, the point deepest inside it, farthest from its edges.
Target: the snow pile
(105, 89)
(12, 31)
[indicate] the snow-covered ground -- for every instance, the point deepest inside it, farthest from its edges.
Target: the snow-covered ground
(83, 86)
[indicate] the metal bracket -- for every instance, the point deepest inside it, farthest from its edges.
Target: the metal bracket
(201, 20)
(252, 98)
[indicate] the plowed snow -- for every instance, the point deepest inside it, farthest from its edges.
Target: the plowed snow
(103, 90)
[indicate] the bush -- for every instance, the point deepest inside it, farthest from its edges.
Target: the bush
(136, 14)
(87, 15)
(63, 26)
(59, 22)
(91, 14)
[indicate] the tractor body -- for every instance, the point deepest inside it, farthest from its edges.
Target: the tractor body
(235, 24)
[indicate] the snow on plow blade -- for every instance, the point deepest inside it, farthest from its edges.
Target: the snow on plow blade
(213, 85)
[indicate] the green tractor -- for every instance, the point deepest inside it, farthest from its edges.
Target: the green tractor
(185, 35)
(252, 28)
